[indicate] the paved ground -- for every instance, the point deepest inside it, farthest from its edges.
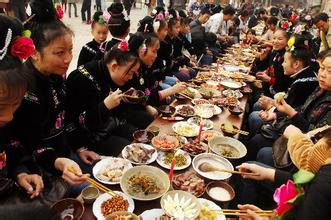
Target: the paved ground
(82, 31)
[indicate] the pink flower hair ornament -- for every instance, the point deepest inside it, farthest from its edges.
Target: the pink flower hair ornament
(123, 46)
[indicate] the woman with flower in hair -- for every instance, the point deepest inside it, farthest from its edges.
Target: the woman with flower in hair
(102, 120)
(16, 165)
(38, 125)
(99, 32)
(146, 47)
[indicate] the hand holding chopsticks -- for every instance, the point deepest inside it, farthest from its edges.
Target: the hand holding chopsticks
(94, 183)
(264, 173)
(249, 211)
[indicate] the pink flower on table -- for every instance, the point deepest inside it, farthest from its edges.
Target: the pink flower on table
(282, 195)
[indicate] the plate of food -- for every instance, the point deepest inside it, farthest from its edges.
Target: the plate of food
(138, 153)
(200, 101)
(111, 169)
(165, 142)
(219, 102)
(204, 111)
(210, 134)
(107, 204)
(227, 147)
(180, 205)
(232, 101)
(145, 183)
(231, 84)
(232, 93)
(207, 124)
(189, 182)
(183, 159)
(215, 161)
(186, 129)
(185, 110)
(208, 210)
(153, 214)
(190, 92)
(122, 216)
(194, 147)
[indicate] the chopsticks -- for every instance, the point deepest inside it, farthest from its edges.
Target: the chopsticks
(238, 212)
(238, 172)
(185, 96)
(95, 184)
(237, 131)
(130, 96)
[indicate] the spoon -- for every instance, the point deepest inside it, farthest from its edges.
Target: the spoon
(207, 167)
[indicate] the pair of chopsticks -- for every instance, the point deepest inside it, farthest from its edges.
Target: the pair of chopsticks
(95, 183)
(188, 97)
(238, 212)
(237, 131)
(238, 172)
(130, 96)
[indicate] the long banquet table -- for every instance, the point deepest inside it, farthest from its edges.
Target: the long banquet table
(166, 127)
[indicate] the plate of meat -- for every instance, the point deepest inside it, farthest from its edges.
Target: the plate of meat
(189, 182)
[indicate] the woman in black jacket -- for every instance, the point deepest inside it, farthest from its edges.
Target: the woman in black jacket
(101, 121)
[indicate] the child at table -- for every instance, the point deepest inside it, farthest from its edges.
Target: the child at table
(99, 32)
(118, 26)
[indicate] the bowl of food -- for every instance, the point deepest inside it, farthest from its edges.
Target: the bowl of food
(138, 153)
(189, 182)
(210, 134)
(133, 96)
(165, 142)
(110, 170)
(235, 110)
(107, 204)
(206, 93)
(121, 215)
(143, 136)
(89, 194)
(212, 160)
(195, 147)
(167, 109)
(220, 191)
(69, 208)
(145, 183)
(180, 205)
(229, 130)
(232, 101)
(154, 129)
(227, 147)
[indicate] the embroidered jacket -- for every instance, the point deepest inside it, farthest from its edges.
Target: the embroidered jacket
(38, 122)
(88, 52)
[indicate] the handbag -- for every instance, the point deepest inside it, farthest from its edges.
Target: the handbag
(280, 153)
(275, 129)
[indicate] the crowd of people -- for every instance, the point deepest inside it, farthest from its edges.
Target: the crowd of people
(53, 121)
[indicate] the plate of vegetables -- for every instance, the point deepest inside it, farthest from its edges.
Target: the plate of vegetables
(183, 159)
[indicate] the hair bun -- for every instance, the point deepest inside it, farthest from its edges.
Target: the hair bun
(116, 10)
(135, 41)
(97, 15)
(303, 41)
(43, 10)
